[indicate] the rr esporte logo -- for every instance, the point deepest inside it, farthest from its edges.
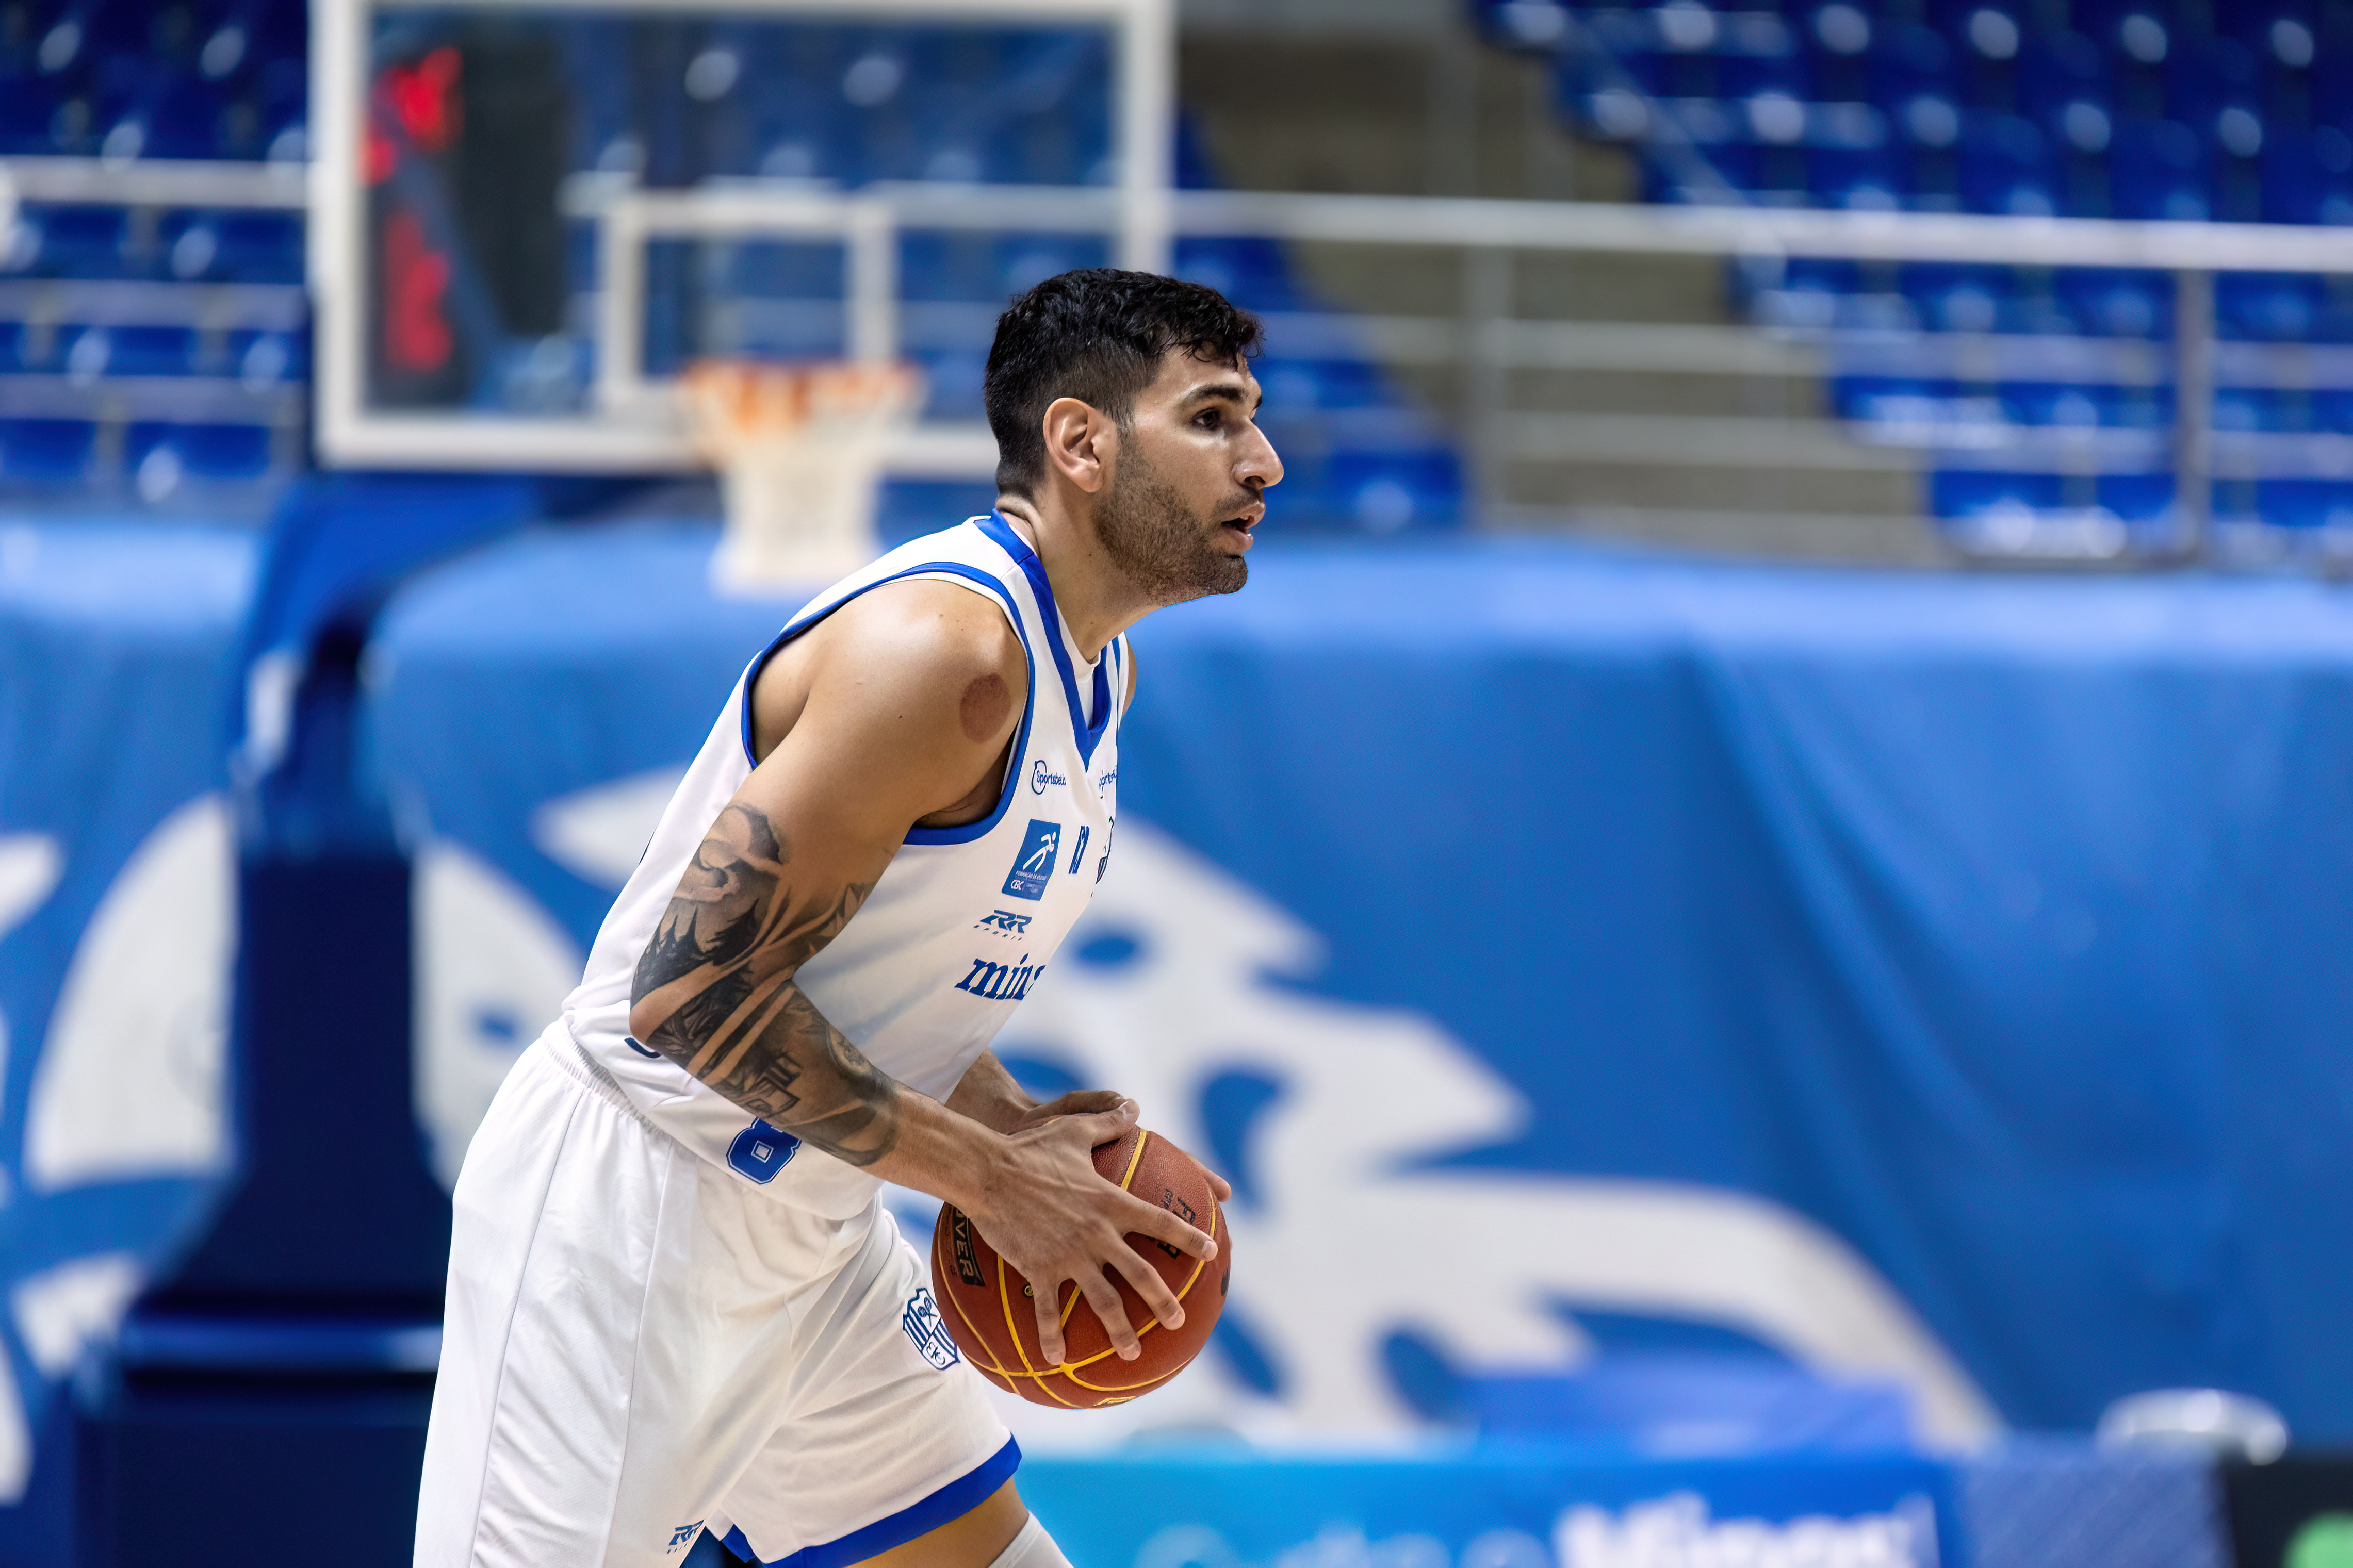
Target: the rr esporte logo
(1004, 923)
(925, 1331)
(1040, 776)
(683, 1537)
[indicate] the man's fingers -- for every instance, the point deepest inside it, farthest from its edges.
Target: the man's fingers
(1104, 1297)
(1081, 1102)
(1137, 1270)
(1102, 1126)
(1218, 1184)
(1045, 1299)
(1161, 1224)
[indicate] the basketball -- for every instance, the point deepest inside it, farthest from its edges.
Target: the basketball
(987, 1305)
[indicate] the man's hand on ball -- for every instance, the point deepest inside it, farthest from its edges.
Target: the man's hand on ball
(1050, 1215)
(1091, 1102)
(1077, 1103)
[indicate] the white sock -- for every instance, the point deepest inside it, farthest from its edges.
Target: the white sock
(1033, 1548)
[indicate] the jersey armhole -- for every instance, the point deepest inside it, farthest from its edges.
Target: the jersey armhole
(973, 579)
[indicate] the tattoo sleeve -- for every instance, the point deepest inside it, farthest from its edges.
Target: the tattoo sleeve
(722, 964)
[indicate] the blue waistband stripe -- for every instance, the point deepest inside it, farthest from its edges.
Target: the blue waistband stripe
(954, 1500)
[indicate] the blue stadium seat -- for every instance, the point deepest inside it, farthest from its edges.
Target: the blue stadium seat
(2268, 306)
(2307, 176)
(148, 351)
(2305, 504)
(217, 453)
(261, 359)
(1252, 272)
(1968, 492)
(260, 247)
(2136, 499)
(77, 241)
(45, 450)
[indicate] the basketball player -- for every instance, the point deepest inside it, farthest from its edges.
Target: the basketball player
(676, 1306)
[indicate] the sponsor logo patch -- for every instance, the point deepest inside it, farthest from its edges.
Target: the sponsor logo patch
(1040, 776)
(926, 1333)
(1001, 922)
(1001, 982)
(1033, 864)
(759, 1151)
(1078, 851)
(683, 1537)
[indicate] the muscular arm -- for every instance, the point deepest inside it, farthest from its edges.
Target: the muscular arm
(723, 963)
(895, 710)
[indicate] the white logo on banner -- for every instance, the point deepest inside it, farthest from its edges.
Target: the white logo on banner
(145, 1003)
(1348, 1242)
(1676, 1533)
(31, 865)
(492, 971)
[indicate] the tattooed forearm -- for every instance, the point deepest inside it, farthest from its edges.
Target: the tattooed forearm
(718, 975)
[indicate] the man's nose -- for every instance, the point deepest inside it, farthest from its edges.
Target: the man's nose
(1260, 465)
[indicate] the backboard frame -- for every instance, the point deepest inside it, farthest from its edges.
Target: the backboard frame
(640, 434)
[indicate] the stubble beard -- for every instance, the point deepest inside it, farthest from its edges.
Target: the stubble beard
(1159, 544)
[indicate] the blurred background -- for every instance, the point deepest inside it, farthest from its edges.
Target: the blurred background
(1756, 897)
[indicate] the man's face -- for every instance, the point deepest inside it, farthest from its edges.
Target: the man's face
(1187, 487)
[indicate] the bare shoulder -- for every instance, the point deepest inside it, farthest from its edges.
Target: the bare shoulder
(920, 647)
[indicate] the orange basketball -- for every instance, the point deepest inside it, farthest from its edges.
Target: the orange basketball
(989, 1310)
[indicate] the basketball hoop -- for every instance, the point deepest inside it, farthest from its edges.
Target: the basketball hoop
(799, 449)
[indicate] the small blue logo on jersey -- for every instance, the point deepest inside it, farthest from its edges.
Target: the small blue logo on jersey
(1040, 776)
(759, 1151)
(930, 1336)
(631, 1041)
(1078, 853)
(1004, 923)
(1033, 868)
(683, 1536)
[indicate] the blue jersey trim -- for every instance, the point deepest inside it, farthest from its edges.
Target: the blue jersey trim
(954, 1500)
(1088, 733)
(970, 830)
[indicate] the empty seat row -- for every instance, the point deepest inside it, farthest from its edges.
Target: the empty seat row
(158, 455)
(131, 80)
(2129, 113)
(684, 100)
(2258, 307)
(258, 358)
(188, 246)
(2139, 500)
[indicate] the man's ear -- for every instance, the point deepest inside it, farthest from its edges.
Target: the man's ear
(1080, 442)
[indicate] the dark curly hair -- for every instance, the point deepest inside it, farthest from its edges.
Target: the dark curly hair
(1097, 334)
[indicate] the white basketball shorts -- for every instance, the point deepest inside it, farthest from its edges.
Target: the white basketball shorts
(640, 1346)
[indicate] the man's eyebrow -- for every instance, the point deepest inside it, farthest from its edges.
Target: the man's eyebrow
(1227, 392)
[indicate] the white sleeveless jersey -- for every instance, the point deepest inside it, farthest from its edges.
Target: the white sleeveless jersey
(960, 925)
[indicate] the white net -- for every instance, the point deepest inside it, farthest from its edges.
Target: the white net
(799, 449)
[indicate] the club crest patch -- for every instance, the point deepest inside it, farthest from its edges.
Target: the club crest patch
(926, 1333)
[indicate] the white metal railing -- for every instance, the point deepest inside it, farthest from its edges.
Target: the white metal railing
(1489, 232)
(632, 427)
(159, 182)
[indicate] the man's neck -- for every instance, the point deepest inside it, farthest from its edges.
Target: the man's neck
(1096, 599)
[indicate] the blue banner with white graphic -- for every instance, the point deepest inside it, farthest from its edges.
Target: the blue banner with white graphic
(117, 932)
(1677, 1004)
